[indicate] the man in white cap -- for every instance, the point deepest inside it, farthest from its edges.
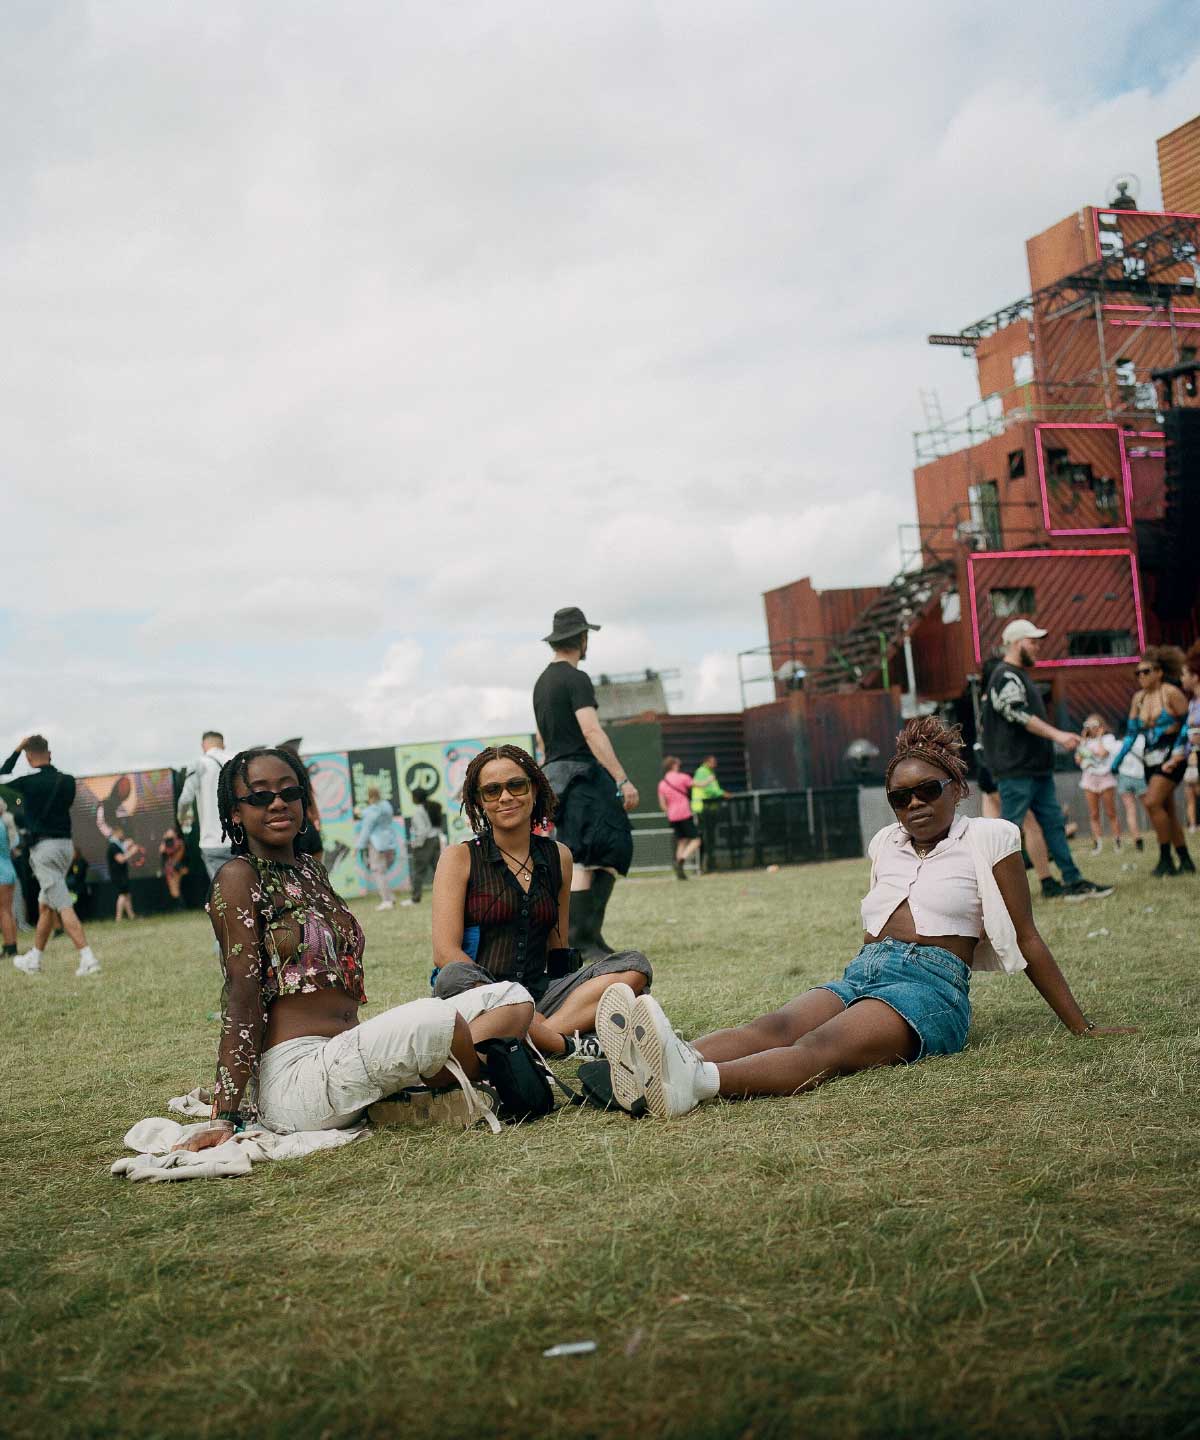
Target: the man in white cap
(593, 791)
(1018, 743)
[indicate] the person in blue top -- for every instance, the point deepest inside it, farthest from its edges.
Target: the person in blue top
(377, 842)
(1159, 714)
(8, 882)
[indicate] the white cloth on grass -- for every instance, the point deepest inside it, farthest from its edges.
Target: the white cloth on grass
(155, 1160)
(196, 1104)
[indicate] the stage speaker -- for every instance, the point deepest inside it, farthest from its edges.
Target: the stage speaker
(1181, 512)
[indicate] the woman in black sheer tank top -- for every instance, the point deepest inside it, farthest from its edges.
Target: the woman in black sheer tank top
(501, 904)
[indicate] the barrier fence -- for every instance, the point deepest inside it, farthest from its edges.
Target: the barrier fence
(759, 827)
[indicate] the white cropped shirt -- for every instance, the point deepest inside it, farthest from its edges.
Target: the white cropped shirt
(950, 891)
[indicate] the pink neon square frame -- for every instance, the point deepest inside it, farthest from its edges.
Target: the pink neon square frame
(1126, 478)
(973, 560)
(1099, 210)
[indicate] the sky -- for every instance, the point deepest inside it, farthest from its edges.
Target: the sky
(345, 343)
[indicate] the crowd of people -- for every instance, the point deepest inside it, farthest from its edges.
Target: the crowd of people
(518, 951)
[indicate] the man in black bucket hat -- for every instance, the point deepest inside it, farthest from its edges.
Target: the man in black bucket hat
(594, 793)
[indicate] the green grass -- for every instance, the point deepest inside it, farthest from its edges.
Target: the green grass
(1003, 1242)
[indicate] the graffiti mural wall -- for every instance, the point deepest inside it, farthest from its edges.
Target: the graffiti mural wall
(341, 779)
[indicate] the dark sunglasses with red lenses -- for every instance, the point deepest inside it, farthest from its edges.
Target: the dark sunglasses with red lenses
(927, 792)
(260, 799)
(518, 785)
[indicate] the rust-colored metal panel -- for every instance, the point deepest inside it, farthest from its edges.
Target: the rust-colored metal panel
(941, 658)
(994, 358)
(833, 721)
(1179, 168)
(1082, 475)
(692, 737)
(1062, 250)
(774, 737)
(1105, 691)
(801, 741)
(1073, 593)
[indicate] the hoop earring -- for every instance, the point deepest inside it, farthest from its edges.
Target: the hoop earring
(303, 830)
(237, 839)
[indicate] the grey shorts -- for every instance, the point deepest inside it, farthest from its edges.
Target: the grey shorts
(50, 860)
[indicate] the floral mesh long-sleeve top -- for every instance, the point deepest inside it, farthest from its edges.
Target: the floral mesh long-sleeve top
(282, 931)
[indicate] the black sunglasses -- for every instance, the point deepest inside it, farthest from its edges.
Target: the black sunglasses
(927, 792)
(517, 786)
(260, 799)
(1144, 670)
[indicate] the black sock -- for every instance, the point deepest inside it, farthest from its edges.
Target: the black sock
(1164, 855)
(1182, 852)
(10, 949)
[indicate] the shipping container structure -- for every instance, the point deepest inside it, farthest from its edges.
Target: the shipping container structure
(1067, 494)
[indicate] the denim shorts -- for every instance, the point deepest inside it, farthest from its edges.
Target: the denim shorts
(925, 985)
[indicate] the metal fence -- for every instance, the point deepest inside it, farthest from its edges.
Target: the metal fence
(759, 827)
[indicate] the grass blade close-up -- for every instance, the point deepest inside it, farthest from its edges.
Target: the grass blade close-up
(1001, 1242)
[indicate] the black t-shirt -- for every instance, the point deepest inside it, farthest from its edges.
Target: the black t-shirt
(1010, 749)
(46, 798)
(562, 689)
(118, 866)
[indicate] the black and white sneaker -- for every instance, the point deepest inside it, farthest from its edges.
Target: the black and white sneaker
(614, 1029)
(1087, 890)
(1052, 889)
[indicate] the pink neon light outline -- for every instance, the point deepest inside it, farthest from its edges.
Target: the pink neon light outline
(1126, 478)
(1152, 214)
(1149, 309)
(1053, 555)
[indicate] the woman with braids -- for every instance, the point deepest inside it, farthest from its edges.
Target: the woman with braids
(291, 952)
(1159, 713)
(501, 904)
(947, 895)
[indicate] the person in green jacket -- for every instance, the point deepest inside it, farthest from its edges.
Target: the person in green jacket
(705, 789)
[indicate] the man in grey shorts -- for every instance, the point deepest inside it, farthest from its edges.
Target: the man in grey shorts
(200, 790)
(46, 799)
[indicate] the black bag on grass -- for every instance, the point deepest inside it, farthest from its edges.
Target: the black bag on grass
(521, 1081)
(595, 1084)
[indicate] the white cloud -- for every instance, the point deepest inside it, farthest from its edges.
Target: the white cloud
(387, 323)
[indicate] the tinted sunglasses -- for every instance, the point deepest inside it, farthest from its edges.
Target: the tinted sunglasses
(260, 799)
(517, 786)
(1144, 670)
(928, 791)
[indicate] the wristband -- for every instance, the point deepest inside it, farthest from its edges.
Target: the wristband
(1087, 1029)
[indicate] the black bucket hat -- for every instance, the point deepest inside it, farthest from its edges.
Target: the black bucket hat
(567, 624)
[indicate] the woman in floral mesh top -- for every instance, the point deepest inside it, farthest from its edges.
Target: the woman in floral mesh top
(291, 953)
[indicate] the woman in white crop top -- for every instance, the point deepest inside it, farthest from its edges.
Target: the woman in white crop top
(947, 895)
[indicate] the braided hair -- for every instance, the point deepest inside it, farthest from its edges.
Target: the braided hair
(237, 767)
(927, 738)
(544, 802)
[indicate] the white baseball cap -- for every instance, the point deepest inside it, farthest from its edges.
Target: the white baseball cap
(1021, 630)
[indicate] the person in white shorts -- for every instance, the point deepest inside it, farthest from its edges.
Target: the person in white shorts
(292, 1054)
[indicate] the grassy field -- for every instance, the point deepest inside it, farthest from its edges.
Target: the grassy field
(1004, 1242)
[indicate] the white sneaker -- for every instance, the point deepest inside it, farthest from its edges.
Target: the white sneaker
(1097, 847)
(29, 964)
(614, 1030)
(386, 905)
(405, 903)
(88, 967)
(671, 1065)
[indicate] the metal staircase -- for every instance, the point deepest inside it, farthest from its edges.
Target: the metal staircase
(860, 659)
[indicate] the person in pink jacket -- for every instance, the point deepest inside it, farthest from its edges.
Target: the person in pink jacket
(675, 797)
